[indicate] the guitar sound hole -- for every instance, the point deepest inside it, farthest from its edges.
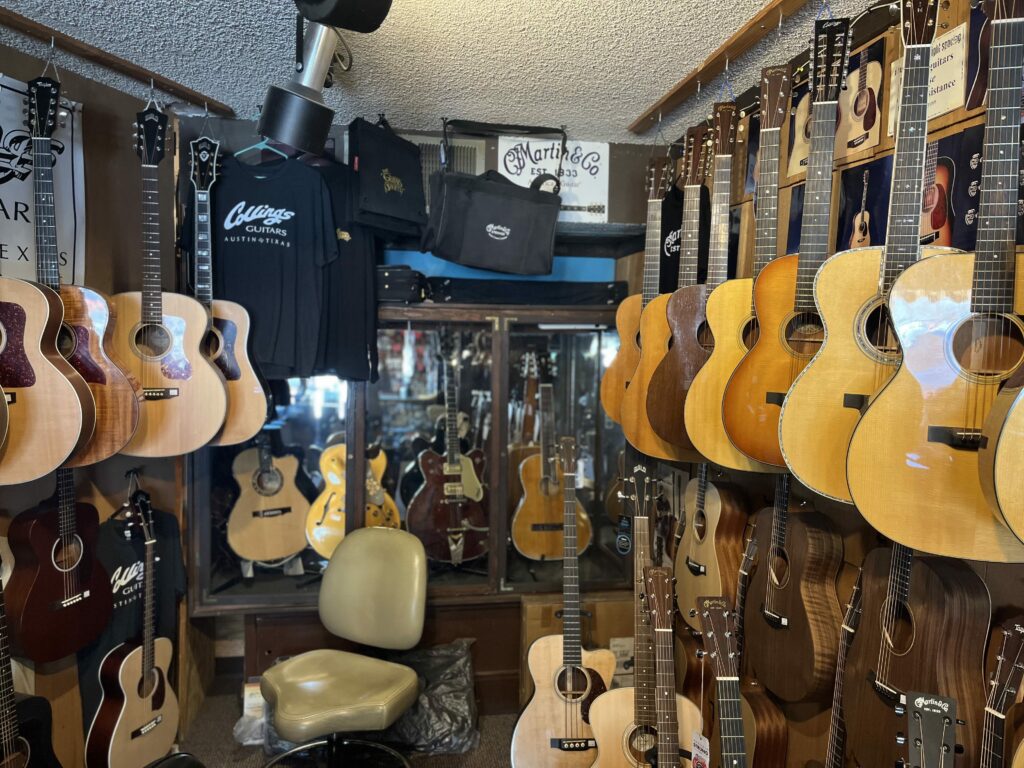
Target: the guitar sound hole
(898, 627)
(641, 742)
(267, 483)
(213, 344)
(152, 340)
(879, 334)
(805, 333)
(988, 347)
(704, 337)
(67, 558)
(778, 567)
(148, 684)
(860, 105)
(19, 756)
(572, 683)
(751, 331)
(700, 525)
(67, 341)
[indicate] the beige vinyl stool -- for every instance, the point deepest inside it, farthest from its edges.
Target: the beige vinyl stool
(373, 593)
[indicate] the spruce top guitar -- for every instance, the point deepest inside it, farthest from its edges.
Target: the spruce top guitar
(858, 106)
(1004, 685)
(662, 605)
(729, 308)
(137, 720)
(537, 522)
(449, 512)
(860, 350)
(718, 626)
(784, 290)
(56, 580)
(554, 729)
(160, 335)
(50, 411)
(226, 343)
(936, 201)
(88, 326)
(916, 448)
(862, 221)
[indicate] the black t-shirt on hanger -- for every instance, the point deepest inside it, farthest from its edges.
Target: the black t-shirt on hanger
(122, 551)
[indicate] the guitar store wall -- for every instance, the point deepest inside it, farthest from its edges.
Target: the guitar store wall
(113, 215)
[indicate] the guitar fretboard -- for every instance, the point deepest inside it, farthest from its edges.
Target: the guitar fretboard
(572, 639)
(652, 252)
(547, 431)
(780, 512)
(152, 298)
(718, 249)
(766, 217)
(8, 716)
(668, 719)
(644, 711)
(995, 252)
(903, 238)
(47, 261)
(451, 415)
(149, 613)
(730, 723)
(689, 246)
(815, 244)
(203, 258)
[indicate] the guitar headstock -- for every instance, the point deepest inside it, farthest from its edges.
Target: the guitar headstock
(143, 507)
(567, 451)
(829, 57)
(151, 135)
(659, 591)
(718, 626)
(530, 365)
(931, 731)
(776, 84)
(696, 155)
(725, 127)
(43, 106)
(659, 177)
(918, 21)
(204, 154)
(1006, 677)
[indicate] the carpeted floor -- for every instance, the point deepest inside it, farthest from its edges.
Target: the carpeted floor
(210, 739)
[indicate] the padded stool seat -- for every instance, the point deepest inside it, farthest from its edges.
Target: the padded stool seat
(323, 692)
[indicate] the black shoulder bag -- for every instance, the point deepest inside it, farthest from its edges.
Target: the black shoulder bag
(389, 179)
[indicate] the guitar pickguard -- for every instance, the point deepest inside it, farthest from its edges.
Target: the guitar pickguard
(15, 368)
(225, 360)
(175, 365)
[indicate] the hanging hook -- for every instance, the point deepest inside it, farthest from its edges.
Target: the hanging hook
(152, 95)
(778, 29)
(824, 7)
(50, 63)
(726, 84)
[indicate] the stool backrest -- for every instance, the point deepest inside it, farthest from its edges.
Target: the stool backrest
(374, 590)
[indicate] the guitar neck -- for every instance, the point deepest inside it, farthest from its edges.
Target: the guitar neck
(203, 258)
(66, 505)
(903, 238)
(730, 723)
(766, 220)
(572, 641)
(547, 431)
(835, 756)
(8, 716)
(718, 249)
(529, 410)
(47, 262)
(644, 710)
(780, 512)
(652, 252)
(451, 415)
(815, 243)
(668, 722)
(862, 71)
(993, 735)
(995, 255)
(152, 296)
(149, 612)
(689, 247)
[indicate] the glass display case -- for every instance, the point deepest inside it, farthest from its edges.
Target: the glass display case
(488, 504)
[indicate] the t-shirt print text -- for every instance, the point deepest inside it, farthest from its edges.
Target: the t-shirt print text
(259, 223)
(127, 582)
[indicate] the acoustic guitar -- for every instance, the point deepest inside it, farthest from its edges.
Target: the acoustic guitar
(525, 430)
(924, 625)
(137, 720)
(326, 521)
(627, 317)
(26, 738)
(449, 511)
(936, 202)
(266, 522)
(679, 323)
(791, 329)
(709, 552)
(226, 344)
(85, 335)
(554, 730)
(729, 308)
(795, 605)
(915, 449)
(626, 721)
(1004, 685)
(57, 580)
(860, 351)
(858, 102)
(861, 236)
(999, 452)
(159, 335)
(537, 522)
(50, 411)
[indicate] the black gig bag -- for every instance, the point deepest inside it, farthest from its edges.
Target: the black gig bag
(488, 221)
(389, 194)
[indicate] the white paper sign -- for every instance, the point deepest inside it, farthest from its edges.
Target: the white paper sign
(17, 231)
(584, 172)
(701, 751)
(947, 78)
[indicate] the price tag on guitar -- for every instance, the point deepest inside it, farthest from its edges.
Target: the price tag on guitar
(701, 757)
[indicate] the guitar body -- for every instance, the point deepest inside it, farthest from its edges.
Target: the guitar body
(115, 739)
(620, 744)
(83, 340)
(861, 237)
(858, 108)
(655, 336)
(380, 511)
(941, 643)
(35, 727)
(184, 400)
(734, 329)
(805, 595)
(758, 386)
(824, 404)
(227, 346)
(710, 551)
(538, 520)
(50, 410)
(689, 348)
(430, 518)
(901, 463)
(936, 222)
(620, 371)
(326, 521)
(999, 456)
(266, 522)
(551, 715)
(47, 575)
(517, 454)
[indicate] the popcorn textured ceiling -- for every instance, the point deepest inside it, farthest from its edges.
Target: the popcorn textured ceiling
(593, 65)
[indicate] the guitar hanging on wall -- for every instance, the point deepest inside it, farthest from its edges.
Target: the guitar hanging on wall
(160, 335)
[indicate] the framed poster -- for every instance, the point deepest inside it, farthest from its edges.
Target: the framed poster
(946, 80)
(860, 104)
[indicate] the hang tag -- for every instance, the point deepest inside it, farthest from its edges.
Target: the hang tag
(701, 751)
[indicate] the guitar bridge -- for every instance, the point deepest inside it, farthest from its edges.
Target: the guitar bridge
(456, 544)
(774, 620)
(695, 568)
(144, 729)
(272, 512)
(956, 438)
(159, 393)
(453, 489)
(886, 692)
(573, 745)
(547, 526)
(68, 602)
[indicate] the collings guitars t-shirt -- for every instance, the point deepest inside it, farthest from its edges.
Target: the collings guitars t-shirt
(122, 551)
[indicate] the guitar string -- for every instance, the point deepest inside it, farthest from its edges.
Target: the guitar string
(988, 737)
